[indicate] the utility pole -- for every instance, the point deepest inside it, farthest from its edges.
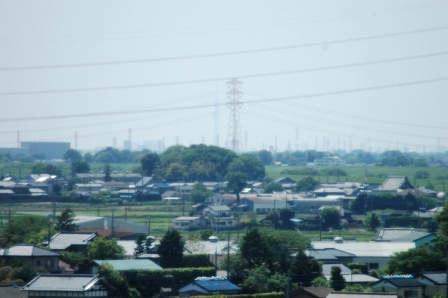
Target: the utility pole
(234, 130)
(112, 232)
(228, 254)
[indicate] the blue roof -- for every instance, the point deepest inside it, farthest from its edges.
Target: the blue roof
(217, 285)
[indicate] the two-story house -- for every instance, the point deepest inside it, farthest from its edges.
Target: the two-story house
(31, 256)
(219, 216)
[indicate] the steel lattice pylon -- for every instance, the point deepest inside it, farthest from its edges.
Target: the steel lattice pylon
(234, 104)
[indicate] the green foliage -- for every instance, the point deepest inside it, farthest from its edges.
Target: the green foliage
(416, 260)
(236, 181)
(402, 221)
(176, 172)
(249, 165)
(21, 228)
(196, 261)
(372, 221)
(442, 220)
(337, 281)
(72, 155)
(199, 193)
(205, 234)
(80, 167)
(104, 249)
(362, 267)
(107, 171)
(304, 269)
(357, 288)
(302, 172)
(140, 244)
(150, 162)
(331, 217)
(260, 280)
(65, 221)
(273, 186)
(74, 258)
(41, 168)
(113, 278)
(149, 282)
(320, 281)
(171, 249)
(41, 236)
(306, 184)
(285, 215)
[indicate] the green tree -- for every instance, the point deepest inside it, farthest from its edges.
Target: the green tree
(107, 171)
(305, 269)
(249, 165)
(331, 217)
(372, 222)
(260, 280)
(285, 216)
(20, 228)
(150, 163)
(306, 184)
(140, 244)
(80, 167)
(176, 172)
(273, 186)
(337, 281)
(254, 249)
(74, 258)
(104, 249)
(357, 288)
(38, 168)
(120, 284)
(442, 220)
(199, 193)
(236, 182)
(171, 249)
(72, 155)
(320, 281)
(65, 221)
(415, 260)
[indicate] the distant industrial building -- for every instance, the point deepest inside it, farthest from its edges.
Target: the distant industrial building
(51, 150)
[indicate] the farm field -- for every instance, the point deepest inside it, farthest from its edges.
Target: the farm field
(371, 174)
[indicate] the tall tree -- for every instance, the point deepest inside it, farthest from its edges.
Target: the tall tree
(305, 269)
(171, 249)
(104, 249)
(337, 281)
(372, 221)
(249, 165)
(265, 157)
(331, 216)
(107, 171)
(254, 248)
(112, 277)
(72, 155)
(150, 163)
(306, 184)
(236, 182)
(65, 221)
(80, 167)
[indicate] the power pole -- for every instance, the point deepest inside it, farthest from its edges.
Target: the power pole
(234, 104)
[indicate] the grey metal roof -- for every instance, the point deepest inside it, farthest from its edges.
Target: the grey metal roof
(219, 207)
(394, 183)
(436, 277)
(360, 294)
(326, 269)
(66, 283)
(63, 240)
(26, 250)
(393, 233)
(414, 236)
(133, 264)
(328, 254)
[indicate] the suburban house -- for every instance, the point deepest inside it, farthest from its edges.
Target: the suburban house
(108, 223)
(435, 282)
(362, 295)
(286, 182)
(331, 256)
(405, 285)
(215, 200)
(404, 235)
(72, 285)
(209, 286)
(374, 254)
(71, 241)
(263, 204)
(31, 256)
(189, 223)
(218, 216)
(393, 185)
(311, 292)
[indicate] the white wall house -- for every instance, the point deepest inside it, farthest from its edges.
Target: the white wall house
(219, 216)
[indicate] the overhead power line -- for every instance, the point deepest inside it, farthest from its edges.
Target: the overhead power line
(200, 106)
(197, 56)
(136, 86)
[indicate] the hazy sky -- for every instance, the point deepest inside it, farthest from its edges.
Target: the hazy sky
(316, 74)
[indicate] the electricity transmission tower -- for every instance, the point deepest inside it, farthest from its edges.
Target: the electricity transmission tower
(234, 104)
